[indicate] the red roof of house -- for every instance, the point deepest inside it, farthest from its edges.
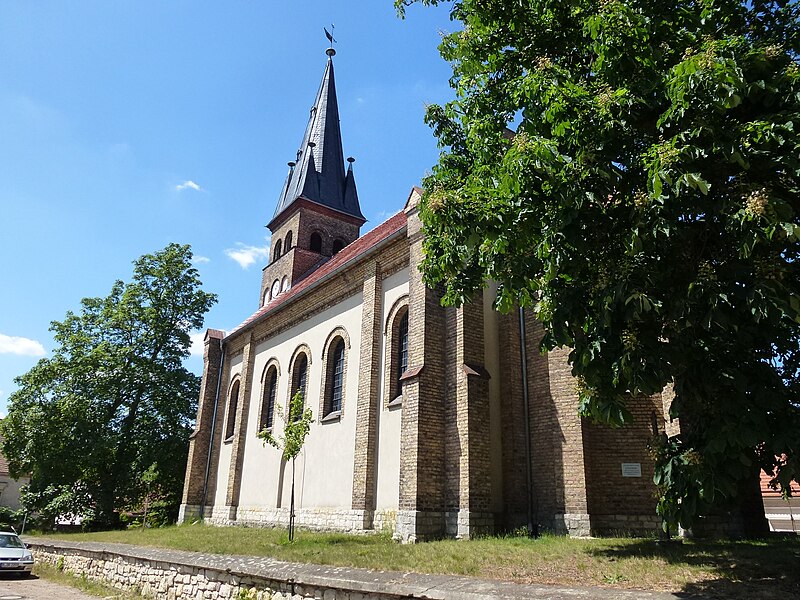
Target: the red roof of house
(351, 252)
(768, 492)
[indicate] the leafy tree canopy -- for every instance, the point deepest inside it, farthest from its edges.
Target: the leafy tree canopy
(646, 208)
(114, 399)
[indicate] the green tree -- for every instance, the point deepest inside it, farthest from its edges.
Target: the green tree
(114, 399)
(646, 208)
(295, 431)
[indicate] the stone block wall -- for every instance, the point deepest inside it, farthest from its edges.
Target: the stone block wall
(314, 518)
(180, 575)
(166, 580)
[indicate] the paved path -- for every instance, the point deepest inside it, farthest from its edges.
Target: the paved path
(12, 588)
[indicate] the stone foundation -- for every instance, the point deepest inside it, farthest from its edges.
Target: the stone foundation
(417, 526)
(318, 519)
(464, 524)
(573, 524)
(625, 524)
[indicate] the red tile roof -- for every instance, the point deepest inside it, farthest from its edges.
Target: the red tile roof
(349, 253)
(768, 492)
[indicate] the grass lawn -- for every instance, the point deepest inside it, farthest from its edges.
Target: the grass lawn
(725, 569)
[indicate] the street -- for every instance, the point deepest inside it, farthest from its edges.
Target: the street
(34, 588)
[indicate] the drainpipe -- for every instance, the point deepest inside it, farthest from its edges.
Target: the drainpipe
(533, 529)
(213, 427)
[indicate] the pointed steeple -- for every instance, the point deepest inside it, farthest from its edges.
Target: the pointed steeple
(318, 174)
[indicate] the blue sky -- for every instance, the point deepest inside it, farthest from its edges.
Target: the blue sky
(127, 125)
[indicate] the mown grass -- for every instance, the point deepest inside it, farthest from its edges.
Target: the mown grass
(93, 588)
(746, 570)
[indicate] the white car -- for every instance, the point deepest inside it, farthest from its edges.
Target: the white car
(14, 555)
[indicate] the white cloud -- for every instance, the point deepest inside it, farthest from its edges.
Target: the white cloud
(247, 255)
(190, 185)
(20, 345)
(382, 216)
(197, 346)
(199, 260)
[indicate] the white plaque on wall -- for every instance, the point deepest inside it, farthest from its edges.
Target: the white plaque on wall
(631, 469)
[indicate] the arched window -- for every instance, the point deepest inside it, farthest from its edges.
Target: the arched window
(334, 387)
(315, 244)
(268, 400)
(276, 289)
(287, 244)
(299, 381)
(397, 361)
(337, 246)
(233, 404)
(401, 354)
(285, 283)
(277, 253)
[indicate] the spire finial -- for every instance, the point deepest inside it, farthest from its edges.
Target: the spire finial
(330, 51)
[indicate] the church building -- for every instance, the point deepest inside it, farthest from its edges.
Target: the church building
(427, 421)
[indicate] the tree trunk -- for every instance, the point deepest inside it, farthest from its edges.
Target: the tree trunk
(291, 509)
(751, 507)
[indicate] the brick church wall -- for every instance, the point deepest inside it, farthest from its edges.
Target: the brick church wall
(618, 503)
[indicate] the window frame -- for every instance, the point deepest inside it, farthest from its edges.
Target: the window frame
(326, 411)
(287, 243)
(302, 351)
(232, 407)
(392, 386)
(266, 416)
(311, 240)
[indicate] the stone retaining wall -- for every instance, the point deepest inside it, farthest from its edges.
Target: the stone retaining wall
(179, 575)
(163, 578)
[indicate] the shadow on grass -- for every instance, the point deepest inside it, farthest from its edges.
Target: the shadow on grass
(744, 570)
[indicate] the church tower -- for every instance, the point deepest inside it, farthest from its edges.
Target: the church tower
(318, 212)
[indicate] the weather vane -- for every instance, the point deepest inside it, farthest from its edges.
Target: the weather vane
(329, 35)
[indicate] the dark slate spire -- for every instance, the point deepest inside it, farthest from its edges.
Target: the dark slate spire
(318, 174)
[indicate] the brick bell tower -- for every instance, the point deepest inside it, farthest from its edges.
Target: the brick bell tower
(318, 212)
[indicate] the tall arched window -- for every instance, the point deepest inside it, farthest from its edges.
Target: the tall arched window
(268, 401)
(397, 360)
(287, 244)
(233, 404)
(335, 378)
(299, 381)
(401, 355)
(315, 244)
(337, 246)
(277, 253)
